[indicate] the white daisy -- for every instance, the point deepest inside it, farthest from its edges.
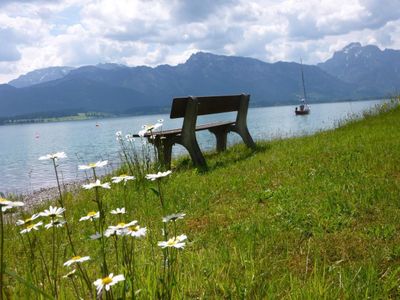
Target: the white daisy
(134, 231)
(95, 236)
(118, 133)
(110, 232)
(54, 156)
(114, 230)
(89, 186)
(53, 212)
(173, 217)
(70, 274)
(129, 138)
(7, 204)
(28, 220)
(91, 215)
(55, 223)
(76, 259)
(149, 129)
(107, 282)
(118, 211)
(153, 177)
(5, 208)
(123, 178)
(176, 242)
(98, 164)
(123, 225)
(32, 226)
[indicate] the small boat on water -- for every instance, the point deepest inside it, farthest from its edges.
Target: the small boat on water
(303, 109)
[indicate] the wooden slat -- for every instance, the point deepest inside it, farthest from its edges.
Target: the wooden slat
(178, 130)
(206, 105)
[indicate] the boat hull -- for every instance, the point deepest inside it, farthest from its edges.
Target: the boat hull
(302, 112)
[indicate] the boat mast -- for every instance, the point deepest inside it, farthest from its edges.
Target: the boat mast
(302, 80)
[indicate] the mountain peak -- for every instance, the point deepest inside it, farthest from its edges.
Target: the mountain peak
(351, 46)
(110, 66)
(40, 76)
(200, 56)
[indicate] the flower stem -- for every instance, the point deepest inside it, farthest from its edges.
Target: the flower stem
(1, 253)
(54, 264)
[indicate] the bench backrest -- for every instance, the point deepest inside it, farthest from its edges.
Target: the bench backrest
(207, 105)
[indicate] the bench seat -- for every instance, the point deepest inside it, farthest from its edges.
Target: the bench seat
(179, 130)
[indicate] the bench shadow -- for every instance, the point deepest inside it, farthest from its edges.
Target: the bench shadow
(215, 160)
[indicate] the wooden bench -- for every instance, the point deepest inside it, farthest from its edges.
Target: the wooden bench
(191, 107)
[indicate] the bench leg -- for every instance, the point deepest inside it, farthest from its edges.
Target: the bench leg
(195, 153)
(167, 153)
(164, 150)
(245, 135)
(221, 134)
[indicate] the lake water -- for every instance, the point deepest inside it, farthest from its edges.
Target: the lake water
(92, 140)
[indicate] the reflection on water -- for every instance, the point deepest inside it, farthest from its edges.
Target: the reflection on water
(92, 140)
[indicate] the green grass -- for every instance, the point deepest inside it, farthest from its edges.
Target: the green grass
(302, 218)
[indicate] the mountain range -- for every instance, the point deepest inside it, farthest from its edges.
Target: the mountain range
(355, 72)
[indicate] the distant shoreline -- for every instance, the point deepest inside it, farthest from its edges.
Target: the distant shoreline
(162, 110)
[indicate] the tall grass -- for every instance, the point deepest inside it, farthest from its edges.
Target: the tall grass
(310, 217)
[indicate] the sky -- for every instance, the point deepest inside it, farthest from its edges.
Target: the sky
(42, 33)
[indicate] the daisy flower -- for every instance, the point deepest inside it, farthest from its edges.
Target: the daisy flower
(153, 177)
(7, 204)
(107, 282)
(54, 156)
(95, 236)
(98, 164)
(76, 259)
(123, 225)
(173, 217)
(53, 212)
(133, 231)
(112, 230)
(176, 242)
(123, 178)
(89, 186)
(129, 138)
(70, 274)
(90, 216)
(55, 223)
(32, 226)
(5, 208)
(28, 220)
(149, 128)
(118, 211)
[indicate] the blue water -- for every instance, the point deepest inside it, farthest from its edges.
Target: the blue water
(83, 141)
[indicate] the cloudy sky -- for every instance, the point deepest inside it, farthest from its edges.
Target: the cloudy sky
(41, 33)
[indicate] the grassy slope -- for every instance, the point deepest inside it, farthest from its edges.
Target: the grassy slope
(308, 217)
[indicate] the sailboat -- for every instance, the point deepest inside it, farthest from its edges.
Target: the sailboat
(303, 109)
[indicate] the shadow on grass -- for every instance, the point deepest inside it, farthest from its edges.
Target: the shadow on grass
(215, 160)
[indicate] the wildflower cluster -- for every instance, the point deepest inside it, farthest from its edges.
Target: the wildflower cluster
(119, 235)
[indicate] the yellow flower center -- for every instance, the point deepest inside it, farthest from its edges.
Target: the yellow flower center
(30, 226)
(28, 220)
(123, 175)
(92, 165)
(120, 224)
(171, 242)
(134, 228)
(2, 200)
(76, 257)
(106, 280)
(91, 213)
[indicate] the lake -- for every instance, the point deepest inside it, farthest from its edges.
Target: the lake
(92, 140)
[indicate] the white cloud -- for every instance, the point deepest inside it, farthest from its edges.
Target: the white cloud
(42, 33)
